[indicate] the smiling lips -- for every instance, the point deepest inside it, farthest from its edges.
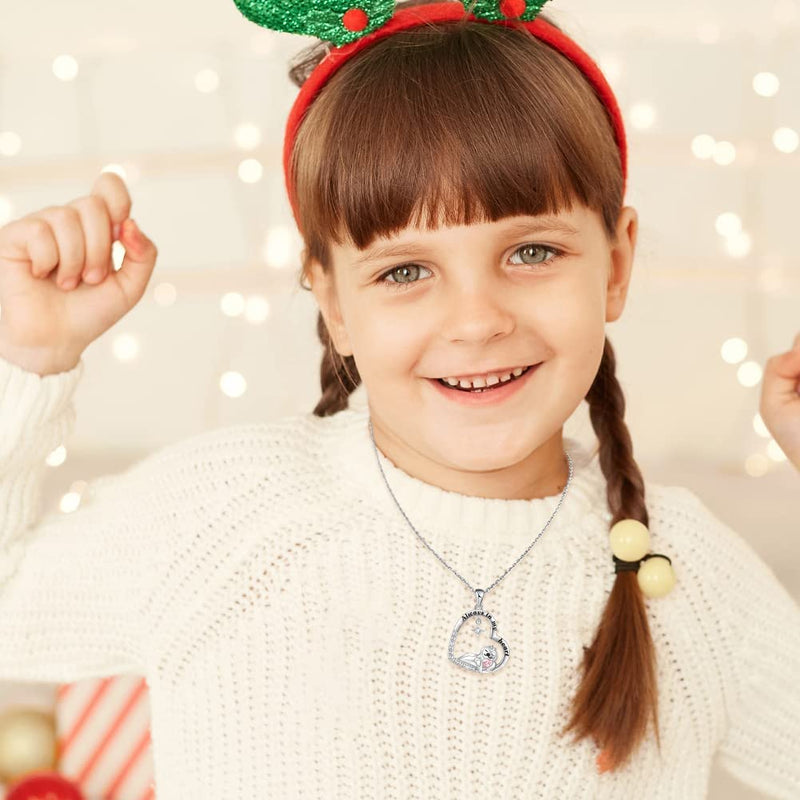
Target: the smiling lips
(498, 372)
(484, 381)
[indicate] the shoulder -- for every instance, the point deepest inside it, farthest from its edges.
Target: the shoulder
(683, 527)
(678, 516)
(716, 563)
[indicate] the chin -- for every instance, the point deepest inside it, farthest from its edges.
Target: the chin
(469, 458)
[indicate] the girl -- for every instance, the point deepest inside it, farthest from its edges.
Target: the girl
(295, 592)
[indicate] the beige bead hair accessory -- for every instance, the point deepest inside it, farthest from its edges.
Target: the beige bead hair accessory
(630, 541)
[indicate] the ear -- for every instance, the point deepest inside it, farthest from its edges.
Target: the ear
(622, 253)
(323, 285)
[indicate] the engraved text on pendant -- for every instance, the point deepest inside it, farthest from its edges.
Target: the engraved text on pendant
(481, 643)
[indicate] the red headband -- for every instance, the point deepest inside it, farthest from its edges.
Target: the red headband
(413, 16)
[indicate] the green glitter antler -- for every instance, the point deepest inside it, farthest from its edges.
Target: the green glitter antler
(340, 21)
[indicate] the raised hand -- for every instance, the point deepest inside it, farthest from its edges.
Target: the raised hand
(59, 290)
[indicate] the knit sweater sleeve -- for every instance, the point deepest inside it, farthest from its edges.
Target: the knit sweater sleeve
(76, 587)
(760, 622)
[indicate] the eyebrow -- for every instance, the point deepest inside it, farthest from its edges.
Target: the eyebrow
(544, 224)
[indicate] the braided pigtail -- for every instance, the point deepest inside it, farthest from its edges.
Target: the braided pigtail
(338, 376)
(618, 691)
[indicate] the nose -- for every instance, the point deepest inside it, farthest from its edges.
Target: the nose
(476, 311)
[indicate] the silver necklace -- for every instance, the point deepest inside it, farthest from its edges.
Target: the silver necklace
(485, 660)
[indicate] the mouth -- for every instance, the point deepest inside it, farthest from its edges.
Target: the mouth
(482, 389)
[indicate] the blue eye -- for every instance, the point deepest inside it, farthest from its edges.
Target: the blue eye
(555, 251)
(406, 268)
(414, 268)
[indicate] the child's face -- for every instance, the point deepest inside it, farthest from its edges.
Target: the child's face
(467, 300)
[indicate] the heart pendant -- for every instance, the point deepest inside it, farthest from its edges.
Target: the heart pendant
(484, 655)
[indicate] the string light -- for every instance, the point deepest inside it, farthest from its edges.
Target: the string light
(56, 457)
(739, 245)
(642, 116)
(125, 347)
(785, 140)
(728, 224)
(250, 170)
(749, 374)
(70, 501)
(257, 309)
(724, 153)
(65, 68)
(734, 350)
(278, 247)
(766, 84)
(117, 254)
(232, 304)
(232, 384)
(247, 136)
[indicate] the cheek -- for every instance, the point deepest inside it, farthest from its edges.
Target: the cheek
(385, 344)
(572, 322)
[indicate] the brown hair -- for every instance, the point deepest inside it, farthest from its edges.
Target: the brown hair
(491, 122)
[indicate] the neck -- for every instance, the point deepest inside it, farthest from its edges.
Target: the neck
(543, 473)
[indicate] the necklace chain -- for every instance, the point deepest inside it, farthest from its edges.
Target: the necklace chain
(472, 589)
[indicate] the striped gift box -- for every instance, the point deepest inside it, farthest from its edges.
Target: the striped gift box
(103, 730)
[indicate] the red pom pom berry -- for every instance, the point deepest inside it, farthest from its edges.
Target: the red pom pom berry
(355, 19)
(44, 784)
(512, 8)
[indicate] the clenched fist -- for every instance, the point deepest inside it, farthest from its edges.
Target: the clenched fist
(59, 290)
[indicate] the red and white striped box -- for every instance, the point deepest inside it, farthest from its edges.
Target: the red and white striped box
(103, 728)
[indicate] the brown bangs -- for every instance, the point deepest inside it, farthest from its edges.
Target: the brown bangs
(451, 123)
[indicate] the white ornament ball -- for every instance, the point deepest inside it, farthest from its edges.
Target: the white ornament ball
(656, 576)
(27, 742)
(630, 539)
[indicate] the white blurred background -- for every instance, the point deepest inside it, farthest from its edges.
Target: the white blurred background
(187, 101)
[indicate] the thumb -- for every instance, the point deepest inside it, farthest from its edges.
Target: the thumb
(138, 263)
(796, 344)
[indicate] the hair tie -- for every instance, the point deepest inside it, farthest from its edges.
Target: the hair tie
(630, 541)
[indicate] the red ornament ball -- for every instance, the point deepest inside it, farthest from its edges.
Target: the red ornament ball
(355, 19)
(50, 785)
(512, 8)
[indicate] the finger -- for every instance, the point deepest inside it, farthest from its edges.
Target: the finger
(110, 188)
(138, 264)
(65, 223)
(96, 222)
(33, 245)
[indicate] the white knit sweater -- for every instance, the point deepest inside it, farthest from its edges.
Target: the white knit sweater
(294, 631)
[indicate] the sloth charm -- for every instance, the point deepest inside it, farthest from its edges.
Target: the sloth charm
(482, 651)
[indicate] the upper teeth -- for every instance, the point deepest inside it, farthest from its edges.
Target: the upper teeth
(482, 381)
